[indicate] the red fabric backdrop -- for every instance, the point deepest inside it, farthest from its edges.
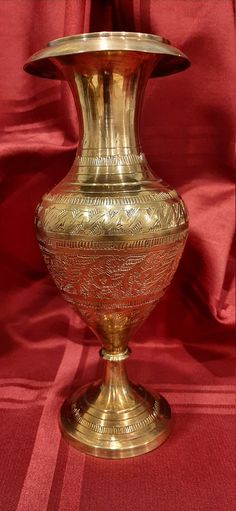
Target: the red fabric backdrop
(186, 348)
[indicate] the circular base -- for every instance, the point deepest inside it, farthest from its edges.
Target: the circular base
(106, 430)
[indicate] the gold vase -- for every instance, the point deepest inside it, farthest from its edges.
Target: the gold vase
(110, 232)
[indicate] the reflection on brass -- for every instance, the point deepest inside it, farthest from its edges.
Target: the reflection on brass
(111, 233)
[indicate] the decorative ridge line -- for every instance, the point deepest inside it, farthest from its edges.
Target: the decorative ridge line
(140, 198)
(135, 303)
(112, 244)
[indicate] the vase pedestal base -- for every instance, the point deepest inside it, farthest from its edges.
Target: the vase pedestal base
(115, 423)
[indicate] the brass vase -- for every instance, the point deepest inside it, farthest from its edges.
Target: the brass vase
(111, 233)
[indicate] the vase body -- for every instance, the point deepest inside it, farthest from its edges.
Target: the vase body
(111, 235)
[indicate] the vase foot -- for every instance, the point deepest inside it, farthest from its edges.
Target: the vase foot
(115, 426)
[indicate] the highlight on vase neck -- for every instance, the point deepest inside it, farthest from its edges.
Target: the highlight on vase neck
(108, 96)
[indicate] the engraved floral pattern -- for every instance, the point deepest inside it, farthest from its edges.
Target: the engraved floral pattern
(112, 276)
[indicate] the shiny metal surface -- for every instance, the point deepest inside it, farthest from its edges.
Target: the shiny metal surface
(112, 236)
(168, 59)
(115, 419)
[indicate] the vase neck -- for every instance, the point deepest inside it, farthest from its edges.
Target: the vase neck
(108, 90)
(108, 108)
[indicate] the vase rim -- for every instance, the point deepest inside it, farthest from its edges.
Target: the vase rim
(106, 34)
(41, 62)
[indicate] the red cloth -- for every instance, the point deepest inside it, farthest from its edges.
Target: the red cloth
(186, 348)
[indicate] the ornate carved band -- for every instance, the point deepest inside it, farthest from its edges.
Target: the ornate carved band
(78, 419)
(124, 159)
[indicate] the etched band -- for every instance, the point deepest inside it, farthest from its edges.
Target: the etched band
(114, 357)
(103, 244)
(114, 430)
(124, 279)
(74, 198)
(138, 302)
(117, 159)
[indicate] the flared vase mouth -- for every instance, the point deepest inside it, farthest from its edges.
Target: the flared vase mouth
(171, 60)
(109, 37)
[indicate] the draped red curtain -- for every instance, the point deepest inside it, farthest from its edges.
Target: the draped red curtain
(186, 348)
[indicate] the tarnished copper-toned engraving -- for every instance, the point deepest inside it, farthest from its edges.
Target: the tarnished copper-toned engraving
(106, 276)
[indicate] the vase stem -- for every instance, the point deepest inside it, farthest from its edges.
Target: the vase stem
(115, 389)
